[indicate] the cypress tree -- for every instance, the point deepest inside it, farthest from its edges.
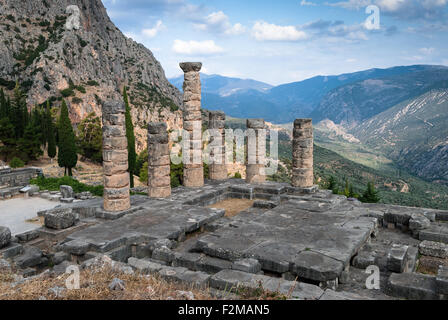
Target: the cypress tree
(67, 155)
(370, 195)
(19, 112)
(30, 143)
(4, 112)
(132, 156)
(51, 143)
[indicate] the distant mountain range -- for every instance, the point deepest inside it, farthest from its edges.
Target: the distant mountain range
(382, 118)
(346, 98)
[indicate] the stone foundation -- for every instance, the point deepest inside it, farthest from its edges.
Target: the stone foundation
(115, 158)
(159, 181)
(302, 154)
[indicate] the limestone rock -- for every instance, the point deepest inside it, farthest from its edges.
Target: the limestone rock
(60, 218)
(5, 236)
(433, 249)
(67, 192)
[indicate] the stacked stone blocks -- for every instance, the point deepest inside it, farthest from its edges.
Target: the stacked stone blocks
(115, 158)
(218, 166)
(302, 163)
(255, 151)
(159, 181)
(192, 118)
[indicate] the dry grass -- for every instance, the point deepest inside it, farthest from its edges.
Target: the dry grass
(430, 265)
(233, 206)
(95, 286)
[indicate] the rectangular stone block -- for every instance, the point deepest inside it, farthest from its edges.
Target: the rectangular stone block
(114, 131)
(160, 138)
(115, 143)
(194, 177)
(115, 194)
(161, 161)
(159, 192)
(117, 156)
(117, 180)
(117, 205)
(159, 171)
(111, 168)
(159, 182)
(442, 280)
(158, 150)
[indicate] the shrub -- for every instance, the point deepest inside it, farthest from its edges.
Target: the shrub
(67, 92)
(53, 184)
(16, 163)
(237, 175)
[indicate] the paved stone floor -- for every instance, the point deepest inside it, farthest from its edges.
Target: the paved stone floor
(15, 212)
(324, 241)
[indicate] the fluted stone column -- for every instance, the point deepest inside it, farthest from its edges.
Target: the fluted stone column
(255, 151)
(218, 168)
(192, 139)
(159, 181)
(302, 154)
(115, 158)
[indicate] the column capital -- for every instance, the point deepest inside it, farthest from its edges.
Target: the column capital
(190, 66)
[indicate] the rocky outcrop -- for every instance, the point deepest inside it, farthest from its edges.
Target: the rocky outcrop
(85, 66)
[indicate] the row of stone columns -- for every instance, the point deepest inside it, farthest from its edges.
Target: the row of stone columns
(115, 154)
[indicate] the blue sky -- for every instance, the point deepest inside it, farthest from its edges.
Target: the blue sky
(289, 40)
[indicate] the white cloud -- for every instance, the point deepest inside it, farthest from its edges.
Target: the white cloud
(192, 47)
(219, 22)
(307, 3)
(151, 33)
(263, 31)
(427, 51)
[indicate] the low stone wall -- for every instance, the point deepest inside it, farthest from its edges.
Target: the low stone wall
(18, 177)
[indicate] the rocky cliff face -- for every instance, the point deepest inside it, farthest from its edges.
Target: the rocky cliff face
(84, 66)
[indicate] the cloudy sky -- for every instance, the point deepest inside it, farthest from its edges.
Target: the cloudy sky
(286, 40)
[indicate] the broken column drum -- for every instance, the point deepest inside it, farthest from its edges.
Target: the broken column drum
(255, 151)
(217, 167)
(302, 154)
(159, 180)
(115, 158)
(192, 137)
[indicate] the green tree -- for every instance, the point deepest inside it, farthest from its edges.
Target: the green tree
(19, 112)
(8, 146)
(132, 156)
(51, 143)
(370, 195)
(67, 156)
(143, 174)
(90, 138)
(333, 185)
(30, 143)
(16, 163)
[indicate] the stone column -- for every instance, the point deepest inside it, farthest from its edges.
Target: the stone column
(218, 168)
(302, 154)
(115, 158)
(192, 138)
(255, 151)
(159, 180)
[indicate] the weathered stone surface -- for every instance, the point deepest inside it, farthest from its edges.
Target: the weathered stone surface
(247, 265)
(302, 172)
(436, 232)
(433, 249)
(115, 157)
(315, 266)
(341, 295)
(11, 250)
(163, 254)
(30, 257)
(190, 66)
(396, 258)
(442, 281)
(412, 286)
(144, 266)
(67, 192)
(418, 222)
(5, 237)
(233, 279)
(60, 218)
(76, 247)
(159, 181)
